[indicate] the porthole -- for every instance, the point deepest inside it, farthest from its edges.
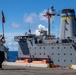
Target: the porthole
(70, 60)
(64, 60)
(52, 47)
(35, 53)
(70, 47)
(49, 44)
(58, 47)
(58, 60)
(40, 47)
(33, 56)
(40, 53)
(64, 47)
(70, 53)
(44, 53)
(58, 54)
(35, 48)
(64, 53)
(44, 47)
(52, 53)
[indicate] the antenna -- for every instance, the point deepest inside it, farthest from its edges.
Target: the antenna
(49, 13)
(29, 30)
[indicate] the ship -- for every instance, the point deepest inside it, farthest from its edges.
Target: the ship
(56, 51)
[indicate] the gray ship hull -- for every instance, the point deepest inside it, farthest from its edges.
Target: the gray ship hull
(59, 51)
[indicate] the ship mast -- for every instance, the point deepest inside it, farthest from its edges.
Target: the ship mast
(49, 13)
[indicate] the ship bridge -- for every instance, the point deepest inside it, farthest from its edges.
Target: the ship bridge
(23, 38)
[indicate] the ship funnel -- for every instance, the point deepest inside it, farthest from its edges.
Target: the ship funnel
(68, 24)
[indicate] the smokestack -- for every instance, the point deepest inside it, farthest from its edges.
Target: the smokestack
(67, 23)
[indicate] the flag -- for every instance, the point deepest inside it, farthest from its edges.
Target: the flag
(3, 18)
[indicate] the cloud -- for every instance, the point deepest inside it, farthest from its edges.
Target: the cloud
(37, 32)
(42, 17)
(33, 17)
(10, 43)
(40, 27)
(30, 18)
(16, 25)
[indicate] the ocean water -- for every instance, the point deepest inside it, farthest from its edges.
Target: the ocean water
(12, 56)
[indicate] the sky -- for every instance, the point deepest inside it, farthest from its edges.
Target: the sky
(22, 15)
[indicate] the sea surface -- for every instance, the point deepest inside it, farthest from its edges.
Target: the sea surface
(12, 56)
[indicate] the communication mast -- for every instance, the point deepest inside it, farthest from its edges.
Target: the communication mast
(49, 13)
